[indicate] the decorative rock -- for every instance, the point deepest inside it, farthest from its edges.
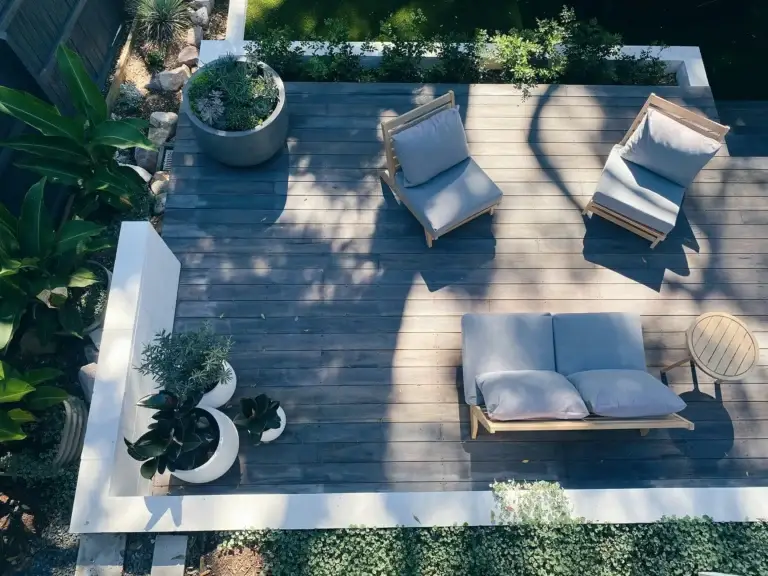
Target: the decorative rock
(164, 120)
(91, 354)
(95, 337)
(207, 4)
(87, 377)
(199, 17)
(170, 80)
(188, 56)
(146, 159)
(195, 36)
(158, 136)
(160, 200)
(140, 171)
(160, 182)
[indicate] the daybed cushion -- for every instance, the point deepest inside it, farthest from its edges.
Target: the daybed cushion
(530, 394)
(669, 148)
(598, 341)
(450, 197)
(501, 342)
(625, 394)
(431, 146)
(638, 193)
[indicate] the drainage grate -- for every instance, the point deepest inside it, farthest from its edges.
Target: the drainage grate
(167, 159)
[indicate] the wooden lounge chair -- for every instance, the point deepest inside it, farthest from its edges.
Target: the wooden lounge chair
(457, 194)
(644, 181)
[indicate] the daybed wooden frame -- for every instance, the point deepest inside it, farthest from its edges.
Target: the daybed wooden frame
(688, 118)
(478, 416)
(390, 127)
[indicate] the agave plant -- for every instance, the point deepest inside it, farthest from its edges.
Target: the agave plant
(39, 266)
(182, 437)
(160, 22)
(21, 395)
(257, 415)
(78, 150)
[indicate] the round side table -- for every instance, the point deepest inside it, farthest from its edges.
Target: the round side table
(721, 346)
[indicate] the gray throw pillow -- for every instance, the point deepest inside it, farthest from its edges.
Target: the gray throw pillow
(669, 148)
(625, 394)
(431, 146)
(529, 395)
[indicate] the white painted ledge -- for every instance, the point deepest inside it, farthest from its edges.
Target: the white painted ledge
(684, 61)
(236, 17)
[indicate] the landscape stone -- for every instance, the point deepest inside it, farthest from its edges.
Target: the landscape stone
(160, 183)
(207, 4)
(160, 200)
(171, 80)
(91, 354)
(146, 159)
(87, 378)
(158, 136)
(188, 56)
(195, 36)
(199, 17)
(164, 120)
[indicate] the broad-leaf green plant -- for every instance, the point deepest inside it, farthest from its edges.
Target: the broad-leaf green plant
(182, 437)
(79, 150)
(23, 397)
(39, 266)
(333, 57)
(257, 415)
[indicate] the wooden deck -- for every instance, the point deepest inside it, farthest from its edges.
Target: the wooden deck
(338, 309)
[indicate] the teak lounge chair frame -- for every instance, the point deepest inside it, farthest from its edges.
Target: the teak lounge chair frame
(407, 120)
(692, 120)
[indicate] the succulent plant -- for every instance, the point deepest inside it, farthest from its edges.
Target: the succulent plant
(257, 415)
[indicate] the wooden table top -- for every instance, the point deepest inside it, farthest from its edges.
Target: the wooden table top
(722, 346)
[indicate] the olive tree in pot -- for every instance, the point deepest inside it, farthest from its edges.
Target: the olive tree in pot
(237, 109)
(195, 443)
(262, 418)
(191, 364)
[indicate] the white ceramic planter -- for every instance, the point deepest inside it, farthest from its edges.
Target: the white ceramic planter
(275, 433)
(222, 393)
(224, 456)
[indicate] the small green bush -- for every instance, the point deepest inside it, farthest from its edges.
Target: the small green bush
(401, 61)
(333, 59)
(672, 547)
(273, 46)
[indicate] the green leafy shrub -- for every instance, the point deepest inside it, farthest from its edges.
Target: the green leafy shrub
(78, 151)
(333, 59)
(161, 22)
(233, 94)
(155, 60)
(273, 47)
(459, 58)
(187, 364)
(182, 437)
(682, 547)
(401, 61)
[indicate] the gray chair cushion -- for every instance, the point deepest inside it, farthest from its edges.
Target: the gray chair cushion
(638, 193)
(450, 197)
(529, 395)
(501, 342)
(669, 148)
(598, 341)
(431, 146)
(625, 394)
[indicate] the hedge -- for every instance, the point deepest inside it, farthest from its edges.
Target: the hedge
(668, 548)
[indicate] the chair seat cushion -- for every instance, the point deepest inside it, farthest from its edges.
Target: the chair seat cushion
(596, 341)
(431, 146)
(450, 197)
(529, 395)
(502, 342)
(625, 394)
(670, 149)
(639, 194)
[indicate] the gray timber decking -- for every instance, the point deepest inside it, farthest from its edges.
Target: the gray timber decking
(339, 310)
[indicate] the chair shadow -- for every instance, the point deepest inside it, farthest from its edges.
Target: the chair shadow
(617, 249)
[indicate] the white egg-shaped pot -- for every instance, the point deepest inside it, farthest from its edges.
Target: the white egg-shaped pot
(223, 457)
(222, 393)
(275, 433)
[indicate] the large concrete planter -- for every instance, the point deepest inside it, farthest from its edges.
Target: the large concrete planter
(248, 147)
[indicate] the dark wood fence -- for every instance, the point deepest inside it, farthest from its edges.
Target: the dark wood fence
(30, 33)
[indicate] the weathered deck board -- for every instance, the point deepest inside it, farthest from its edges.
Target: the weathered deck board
(339, 310)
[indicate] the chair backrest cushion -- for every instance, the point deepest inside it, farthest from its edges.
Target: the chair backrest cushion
(530, 394)
(669, 148)
(625, 394)
(598, 341)
(431, 146)
(502, 342)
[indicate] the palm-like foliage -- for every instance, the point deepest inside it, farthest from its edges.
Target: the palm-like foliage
(161, 22)
(21, 396)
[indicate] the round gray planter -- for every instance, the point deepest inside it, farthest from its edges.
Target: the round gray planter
(248, 147)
